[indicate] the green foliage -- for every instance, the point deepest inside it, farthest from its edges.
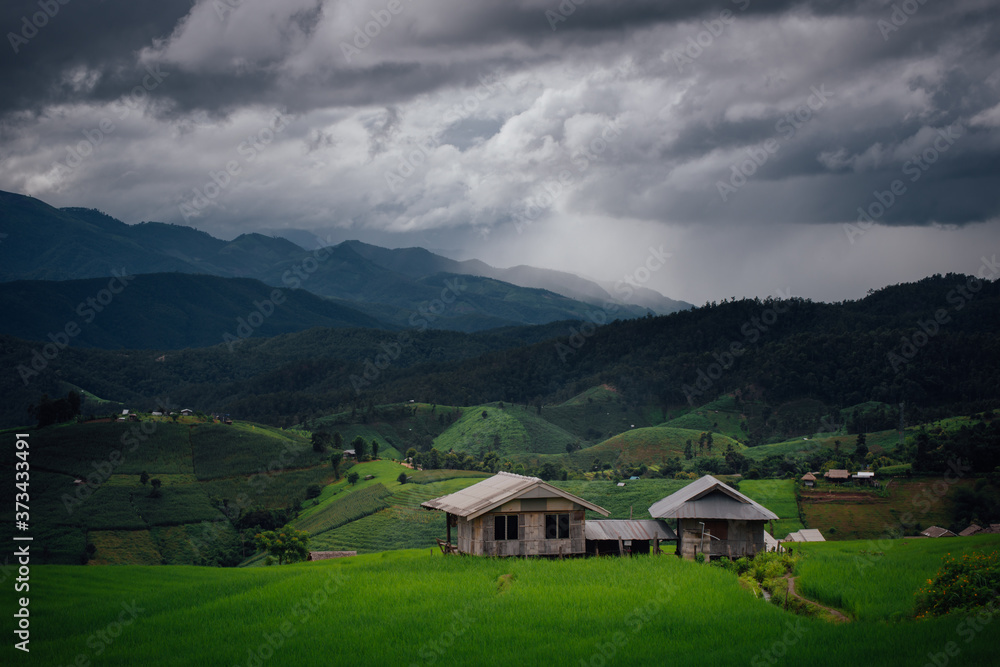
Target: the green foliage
(352, 478)
(402, 478)
(963, 583)
(288, 545)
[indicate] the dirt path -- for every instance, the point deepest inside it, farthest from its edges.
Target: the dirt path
(838, 616)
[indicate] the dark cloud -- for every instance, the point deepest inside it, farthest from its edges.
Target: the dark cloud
(493, 128)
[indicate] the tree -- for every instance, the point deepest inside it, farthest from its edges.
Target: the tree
(402, 478)
(313, 491)
(861, 449)
(338, 440)
(155, 493)
(335, 460)
(352, 478)
(320, 441)
(144, 477)
(375, 449)
(410, 453)
(288, 545)
(360, 448)
(688, 450)
(485, 414)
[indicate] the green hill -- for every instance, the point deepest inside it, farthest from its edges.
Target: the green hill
(655, 444)
(509, 431)
(719, 416)
(202, 468)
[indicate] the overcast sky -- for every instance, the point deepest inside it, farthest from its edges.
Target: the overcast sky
(740, 136)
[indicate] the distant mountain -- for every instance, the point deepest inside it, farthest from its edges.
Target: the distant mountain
(393, 286)
(416, 262)
(163, 311)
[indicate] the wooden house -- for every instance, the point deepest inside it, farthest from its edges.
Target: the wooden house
(624, 537)
(514, 515)
(714, 519)
(809, 479)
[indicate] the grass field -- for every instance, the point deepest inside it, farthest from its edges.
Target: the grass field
(656, 444)
(875, 580)
(720, 416)
(420, 608)
(777, 495)
(857, 513)
(518, 429)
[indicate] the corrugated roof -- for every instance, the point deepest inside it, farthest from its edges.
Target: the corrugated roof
(770, 543)
(806, 535)
(708, 498)
(938, 531)
(628, 529)
(480, 498)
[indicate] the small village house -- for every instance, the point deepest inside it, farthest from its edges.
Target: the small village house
(514, 515)
(837, 476)
(937, 531)
(714, 519)
(809, 479)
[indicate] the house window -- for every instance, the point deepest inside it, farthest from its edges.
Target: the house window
(557, 526)
(505, 527)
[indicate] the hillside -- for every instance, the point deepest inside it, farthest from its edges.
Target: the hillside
(165, 311)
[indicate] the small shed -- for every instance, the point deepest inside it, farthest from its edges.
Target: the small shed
(805, 535)
(809, 479)
(622, 537)
(837, 475)
(714, 519)
(514, 515)
(937, 531)
(187, 412)
(971, 530)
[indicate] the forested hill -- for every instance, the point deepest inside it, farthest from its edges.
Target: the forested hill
(930, 343)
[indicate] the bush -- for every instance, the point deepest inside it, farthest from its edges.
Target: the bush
(313, 491)
(962, 583)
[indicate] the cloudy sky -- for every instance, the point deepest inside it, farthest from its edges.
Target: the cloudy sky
(744, 137)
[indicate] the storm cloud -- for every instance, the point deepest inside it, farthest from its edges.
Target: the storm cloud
(827, 147)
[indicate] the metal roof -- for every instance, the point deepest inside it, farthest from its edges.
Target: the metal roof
(708, 498)
(480, 498)
(628, 529)
(938, 531)
(805, 535)
(836, 473)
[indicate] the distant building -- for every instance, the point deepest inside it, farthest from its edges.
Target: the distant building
(837, 475)
(937, 531)
(805, 535)
(714, 519)
(809, 479)
(187, 412)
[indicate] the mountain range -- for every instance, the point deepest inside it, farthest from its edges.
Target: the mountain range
(45, 247)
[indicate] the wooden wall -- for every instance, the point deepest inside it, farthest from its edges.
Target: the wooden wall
(476, 537)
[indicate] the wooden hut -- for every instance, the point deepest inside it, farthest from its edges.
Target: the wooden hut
(809, 479)
(714, 519)
(514, 515)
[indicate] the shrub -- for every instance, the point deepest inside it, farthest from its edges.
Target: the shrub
(962, 583)
(313, 491)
